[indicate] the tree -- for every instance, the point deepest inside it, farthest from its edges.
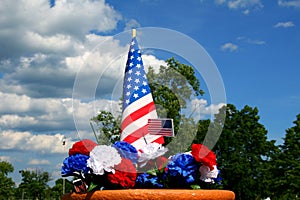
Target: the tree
(57, 190)
(108, 127)
(286, 165)
(34, 184)
(243, 153)
(172, 87)
(6, 183)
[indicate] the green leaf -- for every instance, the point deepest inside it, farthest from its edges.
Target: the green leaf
(92, 187)
(152, 172)
(195, 187)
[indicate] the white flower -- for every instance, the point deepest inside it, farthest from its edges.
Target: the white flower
(208, 175)
(103, 159)
(151, 151)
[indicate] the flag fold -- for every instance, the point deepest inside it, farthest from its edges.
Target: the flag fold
(138, 104)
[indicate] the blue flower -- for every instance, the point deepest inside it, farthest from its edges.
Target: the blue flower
(127, 151)
(218, 180)
(181, 171)
(146, 180)
(75, 163)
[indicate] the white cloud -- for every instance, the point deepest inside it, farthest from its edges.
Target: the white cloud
(293, 3)
(39, 162)
(46, 114)
(132, 24)
(237, 4)
(251, 41)
(201, 109)
(14, 121)
(35, 27)
(150, 60)
(244, 5)
(5, 158)
(284, 24)
(99, 61)
(246, 12)
(229, 47)
(58, 43)
(41, 144)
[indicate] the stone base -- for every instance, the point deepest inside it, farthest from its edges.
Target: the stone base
(154, 194)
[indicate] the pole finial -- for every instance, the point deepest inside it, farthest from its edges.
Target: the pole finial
(133, 32)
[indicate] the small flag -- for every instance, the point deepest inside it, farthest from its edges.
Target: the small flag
(162, 127)
(138, 104)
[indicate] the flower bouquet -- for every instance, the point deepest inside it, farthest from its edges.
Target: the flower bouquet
(121, 166)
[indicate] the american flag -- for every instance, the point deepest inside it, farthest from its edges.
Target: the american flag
(138, 105)
(162, 127)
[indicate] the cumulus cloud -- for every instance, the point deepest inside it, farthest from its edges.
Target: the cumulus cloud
(35, 26)
(251, 41)
(26, 141)
(48, 75)
(45, 114)
(132, 24)
(284, 24)
(236, 4)
(150, 60)
(229, 47)
(39, 162)
(201, 109)
(244, 5)
(5, 158)
(293, 3)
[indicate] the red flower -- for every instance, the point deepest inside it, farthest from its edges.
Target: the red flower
(125, 174)
(202, 154)
(83, 147)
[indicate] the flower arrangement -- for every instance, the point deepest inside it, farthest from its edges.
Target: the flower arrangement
(122, 166)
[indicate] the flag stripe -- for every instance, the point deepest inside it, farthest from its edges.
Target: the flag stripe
(136, 125)
(138, 104)
(162, 127)
(138, 114)
(149, 139)
(141, 132)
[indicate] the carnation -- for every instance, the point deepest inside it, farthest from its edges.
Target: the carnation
(82, 147)
(208, 175)
(151, 151)
(146, 180)
(125, 174)
(181, 170)
(76, 163)
(103, 159)
(202, 154)
(127, 151)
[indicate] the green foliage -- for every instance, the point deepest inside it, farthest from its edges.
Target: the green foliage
(6, 183)
(243, 153)
(286, 165)
(57, 190)
(34, 184)
(172, 87)
(184, 137)
(251, 166)
(108, 126)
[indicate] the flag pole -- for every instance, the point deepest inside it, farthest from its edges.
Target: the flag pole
(133, 33)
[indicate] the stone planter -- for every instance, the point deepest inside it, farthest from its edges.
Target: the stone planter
(154, 194)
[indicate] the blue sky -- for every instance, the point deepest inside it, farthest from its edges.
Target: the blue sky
(260, 58)
(46, 48)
